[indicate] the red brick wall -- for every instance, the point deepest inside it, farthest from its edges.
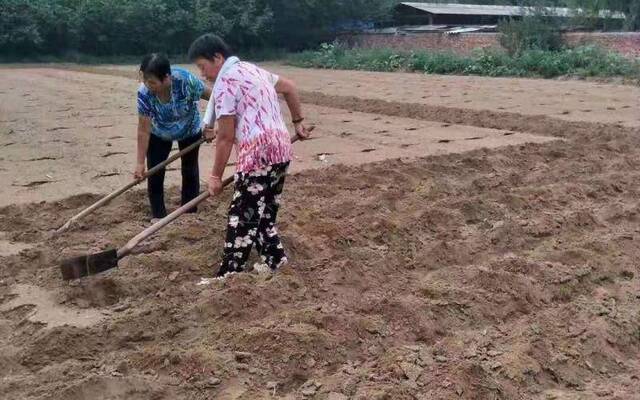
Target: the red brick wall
(624, 43)
(463, 43)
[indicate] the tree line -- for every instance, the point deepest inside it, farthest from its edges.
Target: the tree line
(117, 27)
(133, 27)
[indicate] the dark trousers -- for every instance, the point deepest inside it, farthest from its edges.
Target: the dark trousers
(252, 220)
(158, 152)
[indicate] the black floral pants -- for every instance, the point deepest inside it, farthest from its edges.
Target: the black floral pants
(252, 219)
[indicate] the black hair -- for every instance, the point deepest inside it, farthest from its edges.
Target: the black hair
(156, 64)
(207, 46)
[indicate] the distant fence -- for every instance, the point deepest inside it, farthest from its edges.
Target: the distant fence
(626, 43)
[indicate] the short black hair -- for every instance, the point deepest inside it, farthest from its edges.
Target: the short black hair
(156, 64)
(207, 46)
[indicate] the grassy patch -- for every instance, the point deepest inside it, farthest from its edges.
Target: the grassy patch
(584, 61)
(565, 292)
(257, 55)
(72, 58)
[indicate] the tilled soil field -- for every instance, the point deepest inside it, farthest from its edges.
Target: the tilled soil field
(498, 272)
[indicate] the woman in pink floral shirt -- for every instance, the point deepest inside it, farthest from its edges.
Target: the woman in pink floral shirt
(247, 110)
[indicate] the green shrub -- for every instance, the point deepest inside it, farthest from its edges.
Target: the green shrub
(580, 61)
(438, 63)
(530, 33)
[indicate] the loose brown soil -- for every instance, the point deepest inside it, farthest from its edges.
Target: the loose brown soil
(507, 270)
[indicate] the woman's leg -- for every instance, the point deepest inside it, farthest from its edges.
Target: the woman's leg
(268, 242)
(242, 226)
(157, 152)
(190, 171)
(252, 216)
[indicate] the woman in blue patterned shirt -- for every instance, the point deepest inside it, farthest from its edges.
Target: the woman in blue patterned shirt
(168, 111)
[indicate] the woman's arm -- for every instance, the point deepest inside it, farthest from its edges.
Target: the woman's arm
(224, 145)
(206, 93)
(144, 132)
(288, 90)
(208, 124)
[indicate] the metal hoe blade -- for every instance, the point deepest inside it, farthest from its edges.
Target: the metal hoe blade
(78, 267)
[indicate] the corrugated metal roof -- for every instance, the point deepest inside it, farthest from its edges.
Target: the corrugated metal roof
(446, 28)
(470, 29)
(419, 29)
(506, 11)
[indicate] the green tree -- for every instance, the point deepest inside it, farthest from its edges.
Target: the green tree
(305, 23)
(19, 31)
(592, 8)
(530, 33)
(30, 26)
(244, 24)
